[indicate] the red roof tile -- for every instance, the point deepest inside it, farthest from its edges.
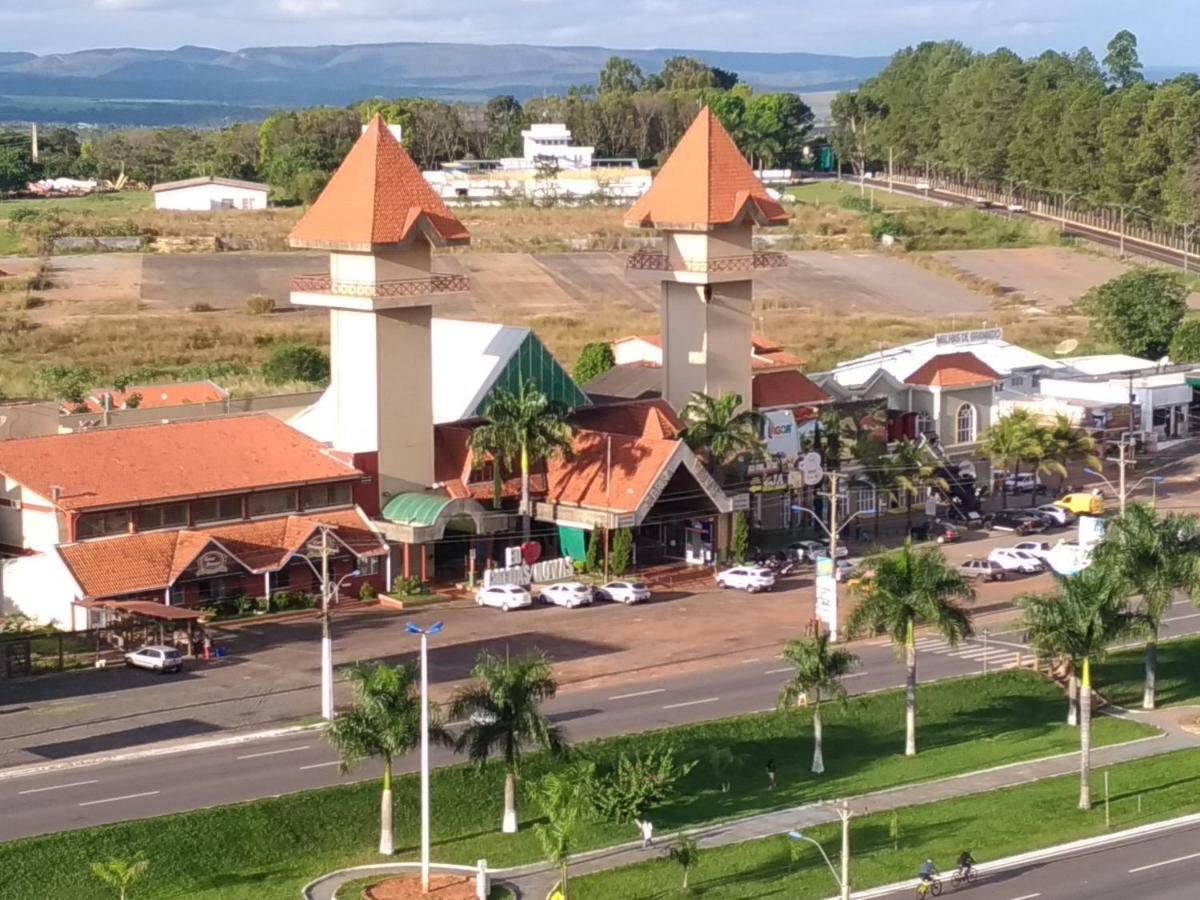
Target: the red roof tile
(598, 478)
(954, 370)
(376, 196)
(779, 360)
(639, 418)
(785, 388)
(764, 345)
(705, 183)
(110, 467)
(154, 396)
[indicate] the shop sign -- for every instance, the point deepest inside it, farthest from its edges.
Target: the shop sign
(213, 562)
(979, 336)
(782, 438)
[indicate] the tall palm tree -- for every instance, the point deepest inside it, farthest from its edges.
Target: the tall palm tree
(489, 441)
(1068, 444)
(912, 587)
(384, 723)
(527, 425)
(503, 709)
(1010, 442)
(1153, 557)
(914, 467)
(1043, 459)
(817, 668)
(1083, 616)
(120, 874)
(721, 434)
(562, 797)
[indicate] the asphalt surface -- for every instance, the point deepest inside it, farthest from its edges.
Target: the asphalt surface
(1163, 866)
(116, 791)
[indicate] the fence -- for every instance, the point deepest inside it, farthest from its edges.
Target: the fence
(34, 654)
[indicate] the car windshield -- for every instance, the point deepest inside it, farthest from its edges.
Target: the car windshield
(638, 586)
(171, 654)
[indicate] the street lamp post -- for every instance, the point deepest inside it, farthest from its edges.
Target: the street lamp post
(424, 633)
(1122, 491)
(842, 880)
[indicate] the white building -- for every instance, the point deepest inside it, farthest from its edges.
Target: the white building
(552, 140)
(209, 193)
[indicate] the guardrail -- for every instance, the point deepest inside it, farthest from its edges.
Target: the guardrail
(657, 261)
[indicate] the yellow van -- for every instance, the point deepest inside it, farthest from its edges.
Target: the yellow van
(1082, 504)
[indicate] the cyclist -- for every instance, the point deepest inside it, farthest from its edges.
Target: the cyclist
(927, 871)
(966, 862)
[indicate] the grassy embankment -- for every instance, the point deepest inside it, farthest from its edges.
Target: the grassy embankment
(1121, 677)
(268, 849)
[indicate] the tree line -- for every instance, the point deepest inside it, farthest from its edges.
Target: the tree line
(1094, 133)
(626, 114)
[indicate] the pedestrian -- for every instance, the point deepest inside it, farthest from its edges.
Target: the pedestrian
(771, 774)
(208, 646)
(646, 827)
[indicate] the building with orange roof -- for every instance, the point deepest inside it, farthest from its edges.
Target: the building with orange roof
(150, 396)
(706, 202)
(647, 349)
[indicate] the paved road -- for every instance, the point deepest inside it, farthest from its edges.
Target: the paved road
(1155, 867)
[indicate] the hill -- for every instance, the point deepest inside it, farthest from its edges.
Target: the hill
(199, 85)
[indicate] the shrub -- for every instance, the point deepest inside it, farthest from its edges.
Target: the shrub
(739, 540)
(1139, 311)
(591, 561)
(1185, 343)
(636, 783)
(296, 362)
(594, 359)
(367, 592)
(621, 553)
(63, 382)
(202, 308)
(258, 305)
(855, 203)
(412, 586)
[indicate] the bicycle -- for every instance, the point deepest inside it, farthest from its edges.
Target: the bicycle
(961, 878)
(932, 886)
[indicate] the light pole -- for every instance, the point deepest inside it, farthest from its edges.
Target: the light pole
(1122, 491)
(843, 880)
(1189, 233)
(425, 633)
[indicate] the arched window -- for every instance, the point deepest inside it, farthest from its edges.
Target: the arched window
(924, 423)
(964, 431)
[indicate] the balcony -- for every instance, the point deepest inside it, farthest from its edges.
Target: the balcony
(654, 261)
(437, 283)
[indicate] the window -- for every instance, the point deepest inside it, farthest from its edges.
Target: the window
(178, 595)
(320, 496)
(368, 565)
(964, 424)
(1016, 381)
(99, 524)
(216, 509)
(247, 203)
(167, 515)
(227, 203)
(272, 503)
(924, 423)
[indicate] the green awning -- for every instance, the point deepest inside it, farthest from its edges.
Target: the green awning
(1193, 379)
(416, 509)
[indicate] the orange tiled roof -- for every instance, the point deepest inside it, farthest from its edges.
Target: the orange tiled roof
(154, 396)
(653, 339)
(786, 388)
(764, 345)
(706, 182)
(779, 360)
(376, 196)
(954, 370)
(638, 418)
(152, 561)
(635, 465)
(110, 467)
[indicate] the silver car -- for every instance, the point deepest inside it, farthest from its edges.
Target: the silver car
(626, 592)
(985, 569)
(156, 658)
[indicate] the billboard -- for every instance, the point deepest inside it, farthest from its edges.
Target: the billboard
(827, 599)
(781, 435)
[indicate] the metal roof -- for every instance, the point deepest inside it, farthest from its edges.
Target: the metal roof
(415, 508)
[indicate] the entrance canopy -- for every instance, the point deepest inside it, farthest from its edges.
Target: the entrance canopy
(420, 517)
(147, 609)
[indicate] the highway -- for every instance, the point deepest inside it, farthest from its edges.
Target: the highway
(1163, 866)
(115, 791)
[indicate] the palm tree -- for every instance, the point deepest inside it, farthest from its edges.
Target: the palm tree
(1068, 444)
(503, 708)
(383, 723)
(562, 796)
(817, 668)
(489, 441)
(720, 433)
(1079, 620)
(1010, 442)
(686, 853)
(914, 467)
(527, 425)
(912, 587)
(1153, 557)
(120, 874)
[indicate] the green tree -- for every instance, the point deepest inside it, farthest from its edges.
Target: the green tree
(503, 708)
(686, 73)
(120, 874)
(505, 119)
(595, 359)
(621, 554)
(67, 383)
(563, 797)
(739, 539)
(620, 76)
(685, 854)
(981, 105)
(914, 467)
(1140, 310)
(296, 362)
(1067, 443)
(1122, 63)
(1153, 557)
(383, 723)
(592, 560)
(724, 763)
(16, 168)
(1185, 342)
(817, 668)
(528, 425)
(1084, 615)
(1011, 441)
(856, 121)
(911, 588)
(721, 433)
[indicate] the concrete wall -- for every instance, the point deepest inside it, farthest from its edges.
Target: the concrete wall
(729, 326)
(42, 588)
(201, 197)
(685, 350)
(625, 352)
(32, 524)
(281, 406)
(980, 398)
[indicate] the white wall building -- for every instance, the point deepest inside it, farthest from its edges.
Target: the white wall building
(553, 140)
(209, 193)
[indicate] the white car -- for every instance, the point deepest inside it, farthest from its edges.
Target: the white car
(808, 551)
(747, 578)
(1016, 561)
(1057, 513)
(567, 593)
(1038, 549)
(504, 597)
(156, 658)
(843, 569)
(626, 592)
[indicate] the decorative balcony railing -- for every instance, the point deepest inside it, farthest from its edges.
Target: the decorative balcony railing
(653, 260)
(437, 283)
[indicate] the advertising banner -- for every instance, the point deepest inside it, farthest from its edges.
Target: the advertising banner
(827, 605)
(781, 436)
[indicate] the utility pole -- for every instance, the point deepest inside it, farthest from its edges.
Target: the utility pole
(833, 514)
(1121, 474)
(326, 640)
(1121, 254)
(33, 143)
(424, 763)
(844, 814)
(1189, 232)
(890, 170)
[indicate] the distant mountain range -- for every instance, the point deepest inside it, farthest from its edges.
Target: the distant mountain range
(199, 85)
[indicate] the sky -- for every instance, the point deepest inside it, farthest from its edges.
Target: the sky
(1166, 29)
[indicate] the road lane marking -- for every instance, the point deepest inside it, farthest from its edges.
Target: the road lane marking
(320, 765)
(778, 671)
(125, 797)
(274, 752)
(752, 659)
(854, 675)
(1026, 897)
(57, 787)
(639, 694)
(1165, 862)
(692, 703)
(456, 724)
(1181, 618)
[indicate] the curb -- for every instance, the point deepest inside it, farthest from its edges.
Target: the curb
(150, 752)
(1047, 853)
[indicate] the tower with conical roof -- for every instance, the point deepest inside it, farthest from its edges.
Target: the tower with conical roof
(380, 220)
(705, 201)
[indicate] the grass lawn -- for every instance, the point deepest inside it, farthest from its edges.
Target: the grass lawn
(270, 848)
(831, 193)
(993, 825)
(1121, 677)
(117, 204)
